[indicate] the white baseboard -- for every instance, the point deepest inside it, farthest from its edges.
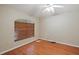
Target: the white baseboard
(34, 40)
(69, 44)
(15, 47)
(61, 42)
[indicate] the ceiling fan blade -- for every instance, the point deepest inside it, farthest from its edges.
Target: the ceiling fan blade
(58, 6)
(45, 6)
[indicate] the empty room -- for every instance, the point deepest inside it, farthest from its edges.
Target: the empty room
(39, 29)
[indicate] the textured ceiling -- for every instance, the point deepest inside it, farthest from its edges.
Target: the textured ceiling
(36, 9)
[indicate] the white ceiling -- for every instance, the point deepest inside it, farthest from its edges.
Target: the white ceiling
(36, 9)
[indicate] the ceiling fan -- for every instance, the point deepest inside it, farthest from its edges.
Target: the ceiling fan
(50, 7)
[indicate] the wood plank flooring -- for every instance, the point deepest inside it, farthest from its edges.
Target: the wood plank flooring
(43, 47)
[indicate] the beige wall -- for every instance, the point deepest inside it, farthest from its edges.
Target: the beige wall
(63, 28)
(7, 17)
(37, 28)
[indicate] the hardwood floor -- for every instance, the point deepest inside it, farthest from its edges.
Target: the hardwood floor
(43, 47)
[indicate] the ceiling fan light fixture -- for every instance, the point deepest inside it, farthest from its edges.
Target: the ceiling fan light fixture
(48, 12)
(48, 9)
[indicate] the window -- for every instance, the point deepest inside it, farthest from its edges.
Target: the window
(23, 30)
